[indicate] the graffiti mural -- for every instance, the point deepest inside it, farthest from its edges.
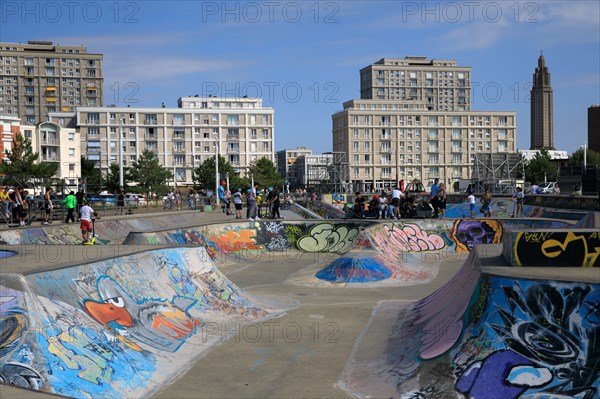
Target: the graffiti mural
(407, 237)
(325, 237)
(562, 248)
(354, 270)
(468, 233)
(161, 324)
(545, 342)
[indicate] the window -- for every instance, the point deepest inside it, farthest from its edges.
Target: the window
(233, 120)
(502, 146)
(93, 117)
(71, 152)
(355, 145)
(265, 133)
(355, 133)
(252, 147)
(265, 119)
(253, 133)
(433, 134)
(93, 131)
(266, 147)
(367, 146)
(456, 158)
(178, 119)
(368, 159)
(456, 135)
(71, 136)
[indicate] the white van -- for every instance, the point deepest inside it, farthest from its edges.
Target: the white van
(135, 199)
(547, 188)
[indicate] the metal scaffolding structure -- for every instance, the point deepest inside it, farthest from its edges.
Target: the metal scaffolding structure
(497, 172)
(329, 174)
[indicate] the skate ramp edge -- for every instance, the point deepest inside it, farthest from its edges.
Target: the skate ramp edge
(124, 327)
(552, 248)
(483, 336)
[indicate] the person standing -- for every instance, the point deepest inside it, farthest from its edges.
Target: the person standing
(441, 196)
(21, 205)
(519, 198)
(396, 198)
(120, 202)
(221, 195)
(48, 206)
(237, 203)
(79, 197)
(228, 201)
(471, 201)
(252, 210)
(433, 197)
(556, 189)
(275, 202)
(70, 202)
(85, 223)
(382, 206)
(486, 200)
(7, 202)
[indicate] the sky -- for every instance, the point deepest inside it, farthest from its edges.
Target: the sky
(303, 57)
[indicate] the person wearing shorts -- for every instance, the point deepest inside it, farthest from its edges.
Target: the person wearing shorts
(85, 225)
(471, 200)
(237, 202)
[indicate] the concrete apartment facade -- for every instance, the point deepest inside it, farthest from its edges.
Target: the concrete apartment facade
(39, 78)
(414, 122)
(287, 164)
(182, 138)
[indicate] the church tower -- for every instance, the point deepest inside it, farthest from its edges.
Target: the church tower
(542, 127)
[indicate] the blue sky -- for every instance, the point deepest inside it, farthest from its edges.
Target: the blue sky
(304, 57)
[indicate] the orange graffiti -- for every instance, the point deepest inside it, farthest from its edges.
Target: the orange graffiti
(235, 241)
(175, 323)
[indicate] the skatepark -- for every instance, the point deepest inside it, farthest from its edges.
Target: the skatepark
(196, 304)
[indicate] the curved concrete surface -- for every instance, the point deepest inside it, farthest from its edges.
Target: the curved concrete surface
(130, 326)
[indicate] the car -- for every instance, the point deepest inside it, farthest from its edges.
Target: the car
(135, 199)
(547, 188)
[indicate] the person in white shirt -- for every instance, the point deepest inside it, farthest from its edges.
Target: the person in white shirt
(382, 206)
(396, 196)
(86, 213)
(471, 200)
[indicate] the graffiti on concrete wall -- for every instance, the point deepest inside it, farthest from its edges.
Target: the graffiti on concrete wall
(406, 237)
(326, 237)
(468, 233)
(542, 341)
(561, 248)
(160, 323)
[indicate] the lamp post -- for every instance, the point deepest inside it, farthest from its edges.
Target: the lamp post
(217, 169)
(584, 156)
(120, 151)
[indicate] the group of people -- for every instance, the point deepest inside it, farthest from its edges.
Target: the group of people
(14, 205)
(255, 199)
(394, 205)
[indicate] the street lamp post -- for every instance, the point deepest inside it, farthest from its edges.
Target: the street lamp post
(584, 156)
(217, 169)
(121, 151)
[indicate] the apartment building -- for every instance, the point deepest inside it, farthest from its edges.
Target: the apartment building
(240, 129)
(40, 77)
(441, 84)
(53, 143)
(286, 164)
(414, 121)
(387, 141)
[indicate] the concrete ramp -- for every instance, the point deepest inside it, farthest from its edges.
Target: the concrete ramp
(124, 327)
(482, 336)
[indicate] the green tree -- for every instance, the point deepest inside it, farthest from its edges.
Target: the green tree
(112, 177)
(265, 173)
(148, 173)
(540, 167)
(91, 174)
(592, 158)
(204, 175)
(22, 161)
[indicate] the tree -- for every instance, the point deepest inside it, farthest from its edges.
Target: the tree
(540, 168)
(265, 173)
(592, 158)
(91, 174)
(148, 173)
(204, 175)
(22, 161)
(112, 178)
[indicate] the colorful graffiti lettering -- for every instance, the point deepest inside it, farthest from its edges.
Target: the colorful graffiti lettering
(468, 233)
(557, 249)
(325, 237)
(230, 242)
(21, 375)
(160, 324)
(407, 237)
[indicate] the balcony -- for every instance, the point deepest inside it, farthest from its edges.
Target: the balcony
(233, 137)
(149, 121)
(50, 158)
(179, 150)
(233, 150)
(151, 137)
(50, 141)
(179, 137)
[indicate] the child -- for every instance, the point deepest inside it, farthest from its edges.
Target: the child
(471, 200)
(86, 221)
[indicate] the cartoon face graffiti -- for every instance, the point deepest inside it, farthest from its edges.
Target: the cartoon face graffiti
(468, 233)
(161, 324)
